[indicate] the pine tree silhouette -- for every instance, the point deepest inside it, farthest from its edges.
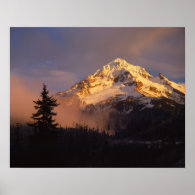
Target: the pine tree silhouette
(43, 118)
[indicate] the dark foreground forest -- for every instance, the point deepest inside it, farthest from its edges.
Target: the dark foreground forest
(84, 147)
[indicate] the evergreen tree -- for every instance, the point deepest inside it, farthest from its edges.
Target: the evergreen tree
(43, 118)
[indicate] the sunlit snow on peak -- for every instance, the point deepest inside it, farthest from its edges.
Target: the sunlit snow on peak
(119, 77)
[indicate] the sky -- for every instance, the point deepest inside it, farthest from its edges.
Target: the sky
(60, 57)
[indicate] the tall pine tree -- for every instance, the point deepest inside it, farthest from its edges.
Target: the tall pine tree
(43, 118)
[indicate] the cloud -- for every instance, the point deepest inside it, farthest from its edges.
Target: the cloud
(21, 100)
(81, 51)
(22, 106)
(56, 80)
(60, 79)
(167, 69)
(147, 39)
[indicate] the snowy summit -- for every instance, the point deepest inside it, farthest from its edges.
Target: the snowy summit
(121, 79)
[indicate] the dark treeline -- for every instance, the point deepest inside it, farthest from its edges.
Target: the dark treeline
(85, 147)
(154, 124)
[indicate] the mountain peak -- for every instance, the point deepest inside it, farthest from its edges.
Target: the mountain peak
(120, 78)
(119, 67)
(119, 63)
(119, 60)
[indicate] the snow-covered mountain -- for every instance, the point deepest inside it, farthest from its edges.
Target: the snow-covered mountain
(122, 81)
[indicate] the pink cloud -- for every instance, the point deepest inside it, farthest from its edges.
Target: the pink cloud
(22, 93)
(21, 100)
(143, 41)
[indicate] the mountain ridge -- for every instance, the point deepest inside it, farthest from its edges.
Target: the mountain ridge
(120, 78)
